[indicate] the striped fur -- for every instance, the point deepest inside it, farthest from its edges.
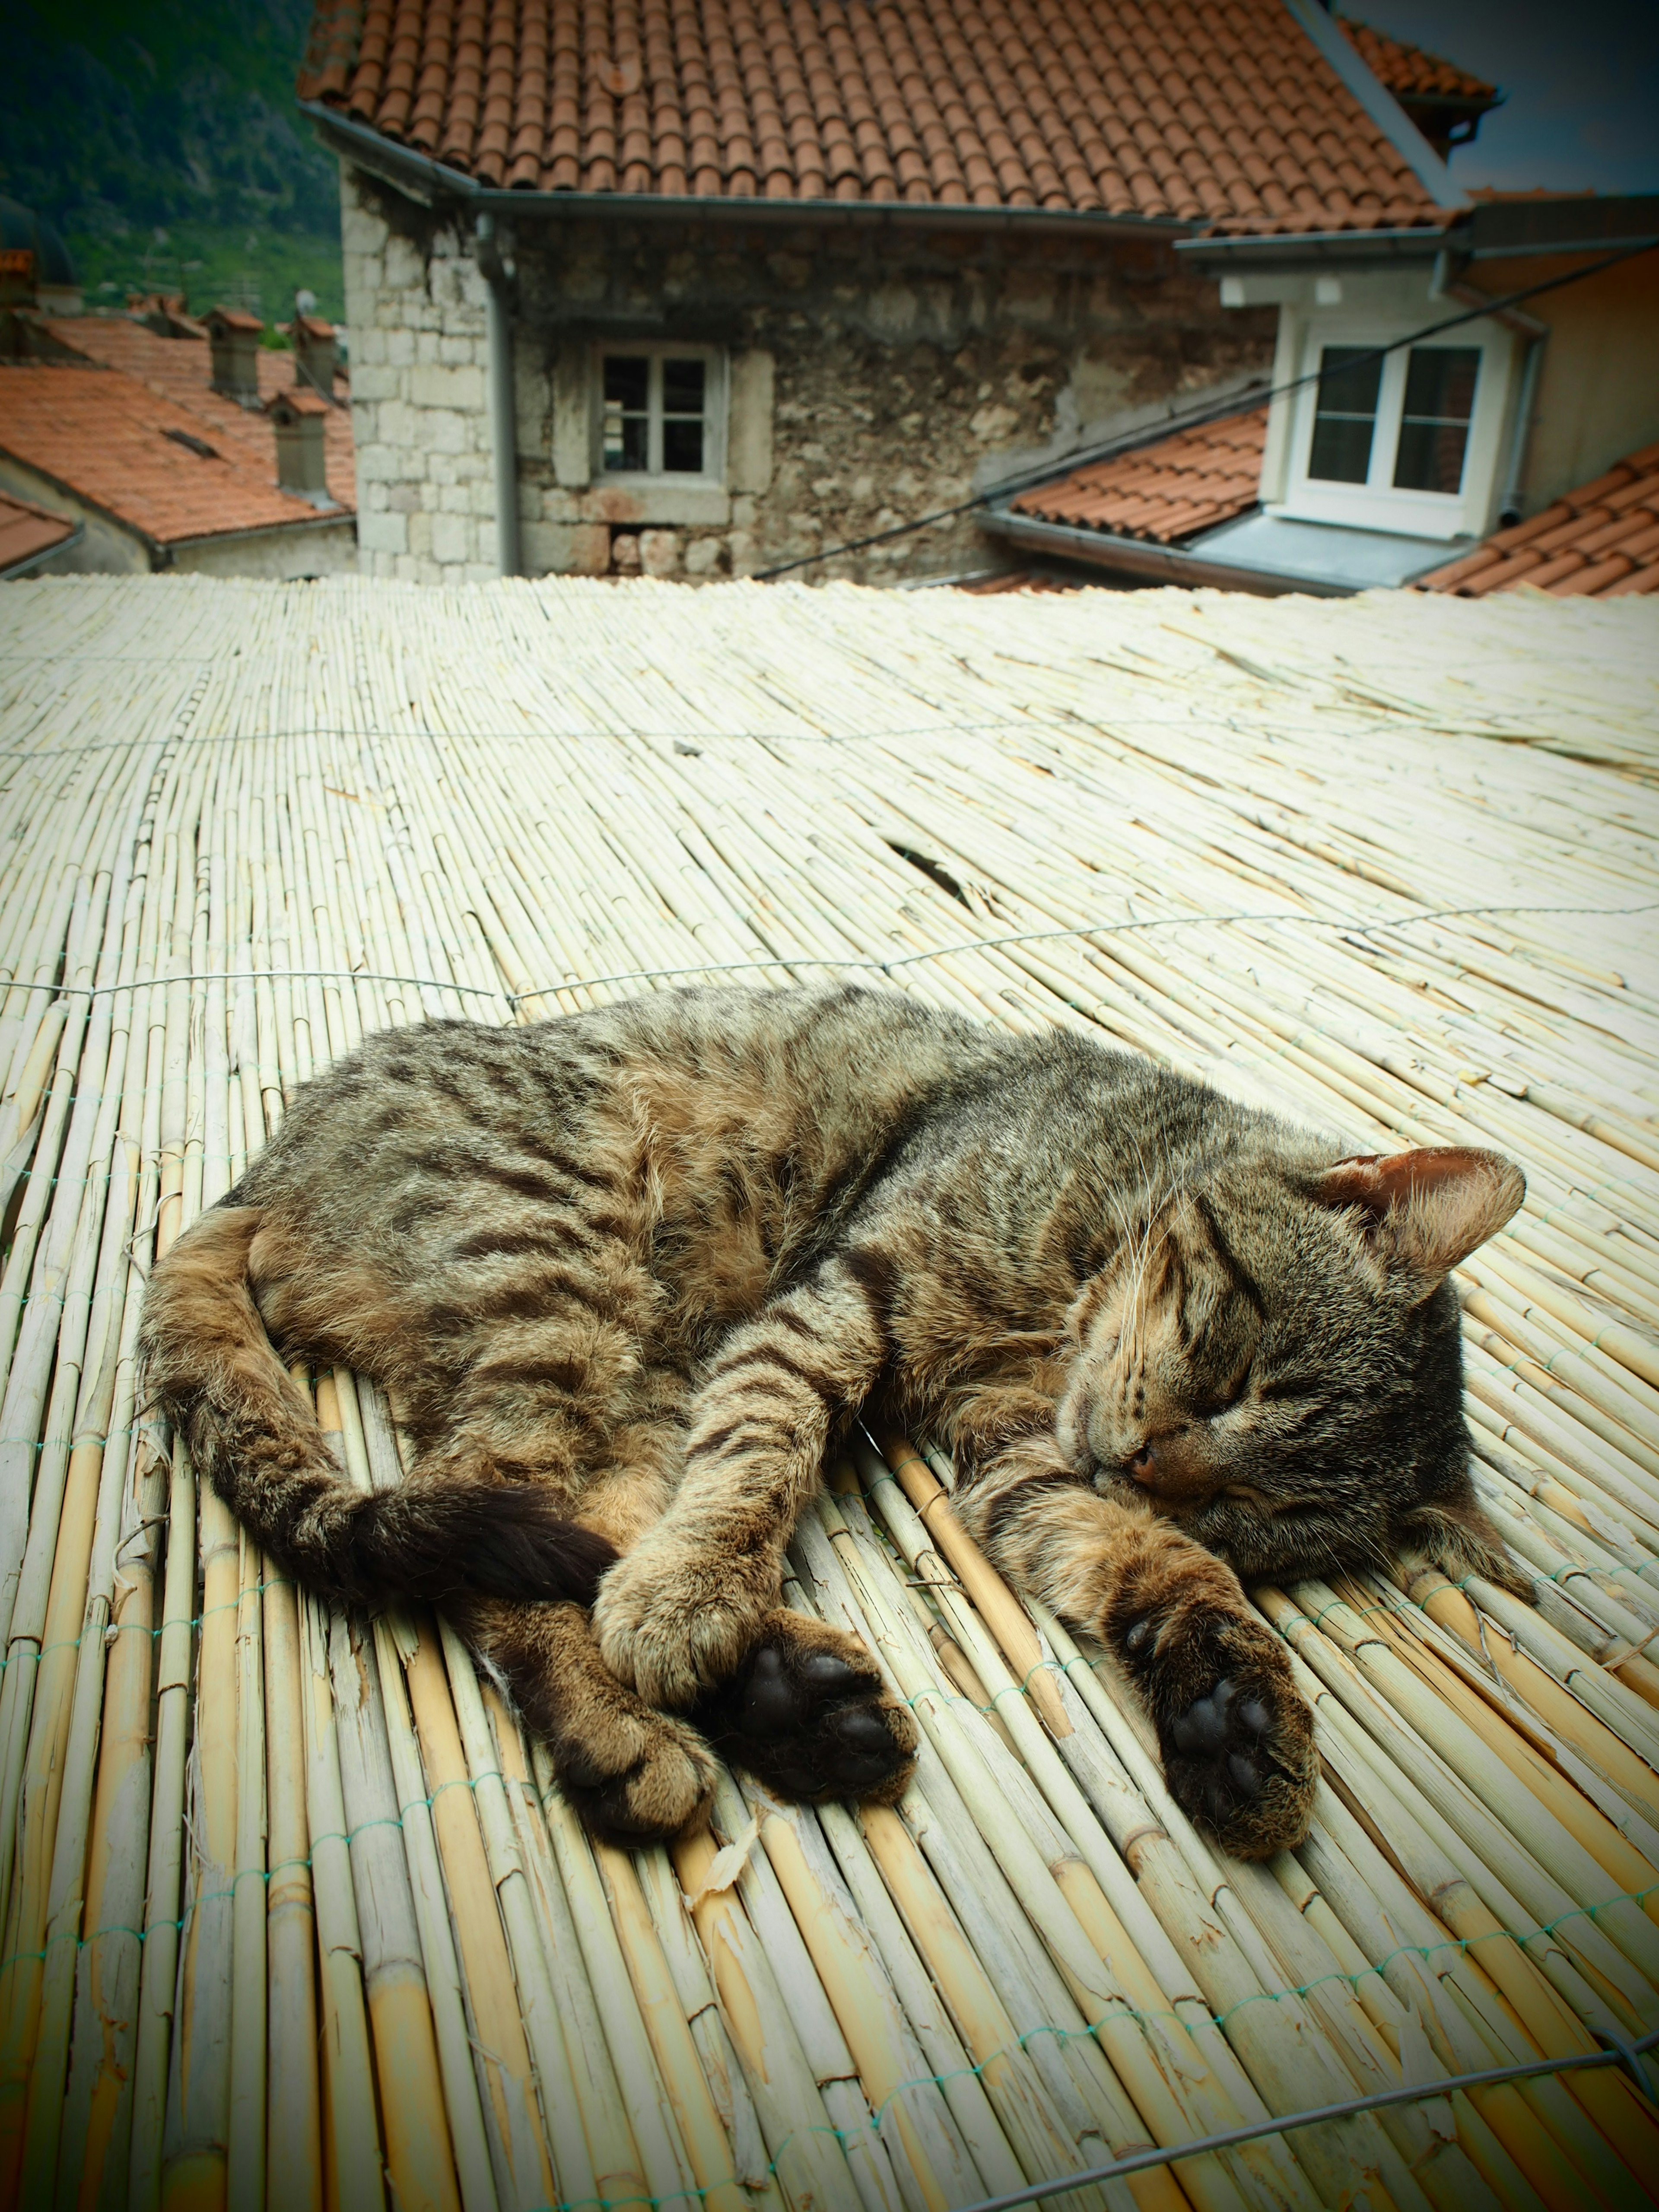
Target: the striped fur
(628, 1275)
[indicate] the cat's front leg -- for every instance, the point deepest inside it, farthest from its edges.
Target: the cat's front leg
(1235, 1734)
(678, 1616)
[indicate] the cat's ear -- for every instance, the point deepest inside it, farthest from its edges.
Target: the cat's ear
(1459, 1540)
(1426, 1210)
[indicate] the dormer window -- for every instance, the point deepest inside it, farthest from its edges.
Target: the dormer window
(1404, 439)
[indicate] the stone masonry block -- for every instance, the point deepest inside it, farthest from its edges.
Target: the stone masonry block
(432, 385)
(372, 381)
(403, 269)
(452, 539)
(382, 533)
(400, 347)
(444, 430)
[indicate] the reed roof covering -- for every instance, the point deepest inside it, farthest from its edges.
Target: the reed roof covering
(293, 1914)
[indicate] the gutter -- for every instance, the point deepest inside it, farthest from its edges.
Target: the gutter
(1294, 249)
(1145, 560)
(418, 177)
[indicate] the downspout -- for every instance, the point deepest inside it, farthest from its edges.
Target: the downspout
(1508, 509)
(503, 425)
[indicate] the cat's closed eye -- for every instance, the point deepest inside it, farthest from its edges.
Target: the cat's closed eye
(1222, 1400)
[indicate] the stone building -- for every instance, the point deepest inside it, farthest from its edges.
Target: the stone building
(709, 287)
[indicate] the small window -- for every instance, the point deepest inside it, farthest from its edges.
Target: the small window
(1434, 426)
(1345, 421)
(659, 418)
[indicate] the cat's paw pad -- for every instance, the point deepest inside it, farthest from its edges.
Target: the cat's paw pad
(1235, 1736)
(651, 1785)
(807, 1714)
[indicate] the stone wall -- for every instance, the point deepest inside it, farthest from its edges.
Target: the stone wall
(414, 321)
(873, 375)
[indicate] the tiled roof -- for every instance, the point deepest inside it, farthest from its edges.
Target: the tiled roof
(120, 444)
(1224, 114)
(1599, 542)
(26, 530)
(178, 369)
(1189, 481)
(1410, 72)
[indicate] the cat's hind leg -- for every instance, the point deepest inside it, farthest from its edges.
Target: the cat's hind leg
(635, 1775)
(807, 1714)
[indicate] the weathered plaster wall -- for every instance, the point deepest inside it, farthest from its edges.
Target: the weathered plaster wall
(874, 376)
(291, 554)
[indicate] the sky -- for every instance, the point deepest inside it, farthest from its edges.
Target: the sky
(1583, 80)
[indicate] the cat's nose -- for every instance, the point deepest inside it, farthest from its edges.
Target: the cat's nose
(1144, 1466)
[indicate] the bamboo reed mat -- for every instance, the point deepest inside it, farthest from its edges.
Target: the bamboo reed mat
(293, 1915)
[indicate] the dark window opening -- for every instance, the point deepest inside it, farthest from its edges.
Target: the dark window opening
(683, 387)
(656, 414)
(1434, 429)
(1345, 418)
(628, 411)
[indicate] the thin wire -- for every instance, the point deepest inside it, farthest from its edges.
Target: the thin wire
(1627, 2055)
(1243, 403)
(1377, 925)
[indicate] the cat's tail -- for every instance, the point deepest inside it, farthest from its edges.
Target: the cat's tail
(209, 1367)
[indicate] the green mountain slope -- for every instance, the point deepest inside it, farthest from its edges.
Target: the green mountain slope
(163, 140)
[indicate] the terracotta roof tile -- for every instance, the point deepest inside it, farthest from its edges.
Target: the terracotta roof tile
(122, 440)
(1185, 110)
(27, 530)
(1410, 72)
(178, 370)
(1189, 481)
(1598, 541)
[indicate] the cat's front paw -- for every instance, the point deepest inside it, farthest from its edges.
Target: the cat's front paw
(674, 1623)
(808, 1714)
(1235, 1736)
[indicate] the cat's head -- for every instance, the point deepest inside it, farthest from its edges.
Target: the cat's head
(1273, 1360)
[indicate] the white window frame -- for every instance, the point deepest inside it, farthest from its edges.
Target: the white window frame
(716, 392)
(1378, 503)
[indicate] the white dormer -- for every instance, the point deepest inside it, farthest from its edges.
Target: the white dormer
(1410, 441)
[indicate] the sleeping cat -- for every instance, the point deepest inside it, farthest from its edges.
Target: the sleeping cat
(628, 1273)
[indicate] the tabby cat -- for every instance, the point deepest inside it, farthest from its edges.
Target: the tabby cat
(628, 1275)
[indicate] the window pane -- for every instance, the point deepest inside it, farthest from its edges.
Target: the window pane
(682, 446)
(1347, 416)
(627, 434)
(682, 386)
(627, 381)
(1434, 430)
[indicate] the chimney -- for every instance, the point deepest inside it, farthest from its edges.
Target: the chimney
(234, 339)
(313, 353)
(300, 417)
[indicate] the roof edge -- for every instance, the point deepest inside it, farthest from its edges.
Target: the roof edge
(427, 181)
(1145, 558)
(72, 491)
(65, 544)
(1286, 248)
(1379, 103)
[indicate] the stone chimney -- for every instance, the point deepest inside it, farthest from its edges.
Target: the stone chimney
(313, 353)
(235, 338)
(300, 417)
